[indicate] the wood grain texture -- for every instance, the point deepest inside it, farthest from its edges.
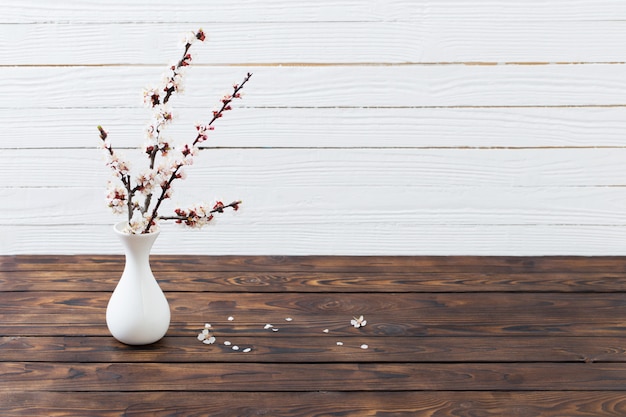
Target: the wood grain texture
(311, 404)
(151, 11)
(421, 41)
(351, 86)
(276, 348)
(478, 314)
(320, 281)
(445, 335)
(399, 78)
(116, 377)
(336, 264)
(143, 11)
(446, 171)
(561, 128)
(322, 194)
(356, 238)
(453, 206)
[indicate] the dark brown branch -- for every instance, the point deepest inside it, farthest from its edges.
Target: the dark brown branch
(234, 205)
(174, 175)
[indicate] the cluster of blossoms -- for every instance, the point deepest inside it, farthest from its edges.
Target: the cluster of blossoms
(201, 214)
(141, 195)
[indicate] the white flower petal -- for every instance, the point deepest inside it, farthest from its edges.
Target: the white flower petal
(339, 343)
(326, 330)
(227, 343)
(288, 319)
(246, 350)
(268, 326)
(235, 347)
(231, 318)
(364, 346)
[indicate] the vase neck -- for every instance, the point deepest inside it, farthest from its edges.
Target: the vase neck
(136, 246)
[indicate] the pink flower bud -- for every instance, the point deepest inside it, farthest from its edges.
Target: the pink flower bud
(103, 134)
(219, 207)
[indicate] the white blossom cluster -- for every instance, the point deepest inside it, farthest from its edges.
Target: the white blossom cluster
(140, 195)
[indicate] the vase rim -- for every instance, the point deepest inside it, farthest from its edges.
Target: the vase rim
(119, 230)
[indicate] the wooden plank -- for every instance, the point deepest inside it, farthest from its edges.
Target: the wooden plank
(149, 11)
(311, 404)
(343, 127)
(250, 42)
(398, 42)
(316, 205)
(95, 326)
(317, 349)
(232, 377)
(298, 86)
(363, 238)
(331, 264)
(503, 172)
(144, 11)
(392, 314)
(522, 351)
(306, 282)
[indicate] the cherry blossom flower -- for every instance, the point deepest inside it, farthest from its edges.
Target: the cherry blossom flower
(189, 38)
(206, 337)
(116, 197)
(146, 181)
(203, 132)
(358, 322)
(151, 97)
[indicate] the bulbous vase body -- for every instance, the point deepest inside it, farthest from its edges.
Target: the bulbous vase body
(138, 312)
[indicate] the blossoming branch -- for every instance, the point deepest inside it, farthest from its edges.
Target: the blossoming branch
(141, 195)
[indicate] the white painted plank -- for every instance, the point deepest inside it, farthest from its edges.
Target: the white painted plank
(367, 238)
(324, 127)
(317, 42)
(324, 168)
(285, 206)
(325, 86)
(39, 44)
(132, 11)
(162, 11)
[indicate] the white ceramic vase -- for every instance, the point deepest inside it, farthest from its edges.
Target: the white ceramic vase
(138, 312)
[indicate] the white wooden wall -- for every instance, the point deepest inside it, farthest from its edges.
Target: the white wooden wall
(407, 127)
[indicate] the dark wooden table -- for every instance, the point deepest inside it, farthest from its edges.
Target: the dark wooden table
(445, 336)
